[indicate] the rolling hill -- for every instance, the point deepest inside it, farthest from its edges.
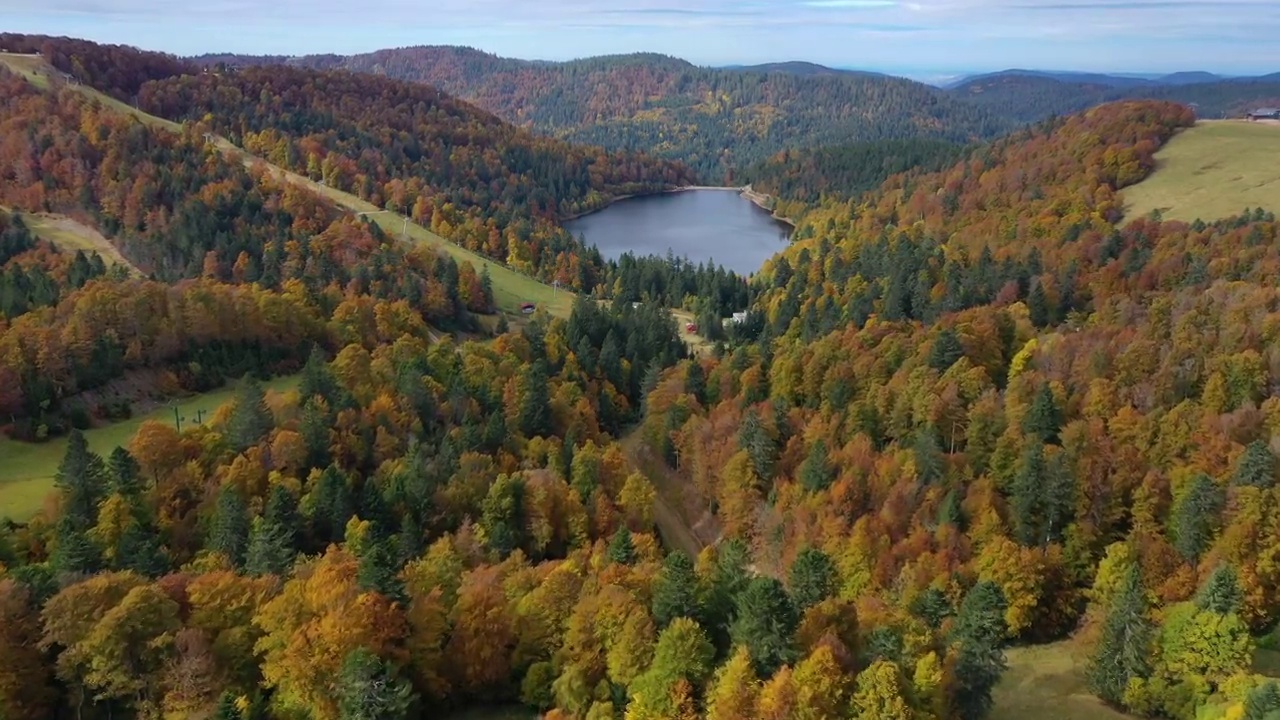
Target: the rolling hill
(1028, 96)
(717, 121)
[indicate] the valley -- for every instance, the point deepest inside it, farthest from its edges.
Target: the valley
(986, 430)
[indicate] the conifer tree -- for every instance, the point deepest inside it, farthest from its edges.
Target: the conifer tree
(229, 531)
(270, 551)
(330, 507)
(946, 350)
(675, 590)
(813, 578)
(502, 515)
(978, 635)
(370, 688)
(124, 473)
(1124, 648)
(765, 622)
(1195, 517)
(817, 473)
(621, 549)
(1043, 419)
(250, 419)
(315, 428)
(282, 512)
(80, 479)
(1263, 702)
(928, 456)
(1221, 593)
(535, 404)
(695, 381)
(760, 446)
(1256, 467)
(139, 550)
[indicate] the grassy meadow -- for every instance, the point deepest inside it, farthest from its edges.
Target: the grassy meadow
(1211, 171)
(27, 469)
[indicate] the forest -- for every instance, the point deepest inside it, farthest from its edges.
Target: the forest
(973, 407)
(715, 121)
(1031, 98)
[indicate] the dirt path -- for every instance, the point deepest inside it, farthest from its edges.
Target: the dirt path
(671, 504)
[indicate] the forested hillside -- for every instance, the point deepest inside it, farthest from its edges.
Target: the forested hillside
(716, 121)
(976, 376)
(1029, 98)
(467, 175)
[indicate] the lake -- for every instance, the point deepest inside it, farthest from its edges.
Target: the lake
(702, 225)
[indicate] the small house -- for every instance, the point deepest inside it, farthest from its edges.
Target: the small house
(738, 317)
(527, 308)
(691, 328)
(1265, 114)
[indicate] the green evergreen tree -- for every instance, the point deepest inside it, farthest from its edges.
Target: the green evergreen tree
(315, 428)
(1125, 646)
(270, 550)
(1221, 592)
(978, 635)
(760, 446)
(1263, 702)
(80, 479)
(124, 473)
(950, 512)
(817, 472)
(409, 541)
(946, 350)
(139, 550)
(1195, 517)
(229, 530)
(813, 578)
(765, 622)
(226, 709)
(621, 549)
(535, 405)
(74, 552)
(930, 465)
(502, 515)
(250, 419)
(695, 381)
(675, 590)
(1256, 467)
(379, 568)
(331, 507)
(1038, 306)
(317, 379)
(1043, 419)
(370, 688)
(282, 512)
(932, 606)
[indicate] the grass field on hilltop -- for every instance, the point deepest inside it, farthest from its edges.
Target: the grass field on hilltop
(510, 288)
(27, 469)
(1047, 681)
(69, 236)
(1211, 171)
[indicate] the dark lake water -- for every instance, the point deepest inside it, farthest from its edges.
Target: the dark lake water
(702, 225)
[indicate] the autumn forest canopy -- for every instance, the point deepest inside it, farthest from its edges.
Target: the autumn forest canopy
(972, 405)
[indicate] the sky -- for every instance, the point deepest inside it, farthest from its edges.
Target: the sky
(925, 39)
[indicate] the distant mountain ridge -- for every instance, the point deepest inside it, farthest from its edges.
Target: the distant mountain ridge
(1116, 80)
(716, 120)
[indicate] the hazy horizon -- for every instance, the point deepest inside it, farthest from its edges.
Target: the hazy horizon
(917, 38)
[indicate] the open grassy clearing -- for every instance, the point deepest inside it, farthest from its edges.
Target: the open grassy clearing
(1047, 681)
(69, 236)
(27, 469)
(1211, 171)
(510, 288)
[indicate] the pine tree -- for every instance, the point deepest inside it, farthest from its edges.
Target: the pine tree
(932, 606)
(760, 446)
(1038, 306)
(765, 622)
(950, 512)
(813, 578)
(1221, 592)
(270, 551)
(1043, 419)
(250, 419)
(675, 590)
(282, 512)
(1124, 648)
(331, 507)
(1256, 467)
(978, 635)
(124, 473)
(1196, 516)
(379, 569)
(695, 381)
(928, 456)
(139, 550)
(502, 515)
(1263, 702)
(370, 688)
(226, 709)
(817, 473)
(621, 549)
(315, 428)
(535, 404)
(73, 550)
(946, 350)
(229, 531)
(80, 480)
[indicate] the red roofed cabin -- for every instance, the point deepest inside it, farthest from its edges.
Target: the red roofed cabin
(691, 328)
(526, 308)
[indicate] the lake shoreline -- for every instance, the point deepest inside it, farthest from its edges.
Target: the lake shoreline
(759, 199)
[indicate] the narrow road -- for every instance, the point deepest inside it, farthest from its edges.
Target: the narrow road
(674, 525)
